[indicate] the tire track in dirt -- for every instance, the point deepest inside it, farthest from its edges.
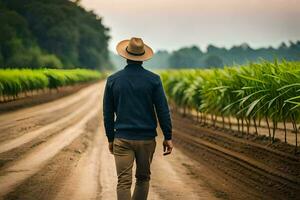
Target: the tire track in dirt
(14, 143)
(30, 163)
(108, 175)
(15, 127)
(52, 177)
(27, 125)
(83, 182)
(9, 119)
(14, 154)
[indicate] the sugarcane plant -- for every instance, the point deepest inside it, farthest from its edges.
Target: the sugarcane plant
(255, 95)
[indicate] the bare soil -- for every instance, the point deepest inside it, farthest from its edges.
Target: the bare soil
(252, 167)
(58, 150)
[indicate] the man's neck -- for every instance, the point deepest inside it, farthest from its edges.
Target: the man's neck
(131, 62)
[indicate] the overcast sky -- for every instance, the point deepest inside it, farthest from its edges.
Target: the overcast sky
(170, 24)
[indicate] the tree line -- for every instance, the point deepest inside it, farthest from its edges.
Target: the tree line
(193, 57)
(53, 34)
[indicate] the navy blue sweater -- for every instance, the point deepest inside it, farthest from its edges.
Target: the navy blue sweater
(132, 96)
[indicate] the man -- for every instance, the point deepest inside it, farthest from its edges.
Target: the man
(133, 94)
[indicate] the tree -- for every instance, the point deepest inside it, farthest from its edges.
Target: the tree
(159, 60)
(213, 61)
(60, 32)
(186, 57)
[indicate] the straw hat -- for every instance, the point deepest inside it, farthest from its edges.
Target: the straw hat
(134, 49)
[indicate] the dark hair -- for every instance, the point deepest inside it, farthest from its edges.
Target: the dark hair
(134, 62)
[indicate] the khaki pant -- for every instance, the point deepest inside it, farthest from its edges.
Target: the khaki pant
(125, 152)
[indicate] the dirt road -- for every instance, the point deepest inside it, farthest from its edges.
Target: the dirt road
(57, 150)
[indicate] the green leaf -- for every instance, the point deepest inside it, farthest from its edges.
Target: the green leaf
(287, 86)
(252, 105)
(251, 78)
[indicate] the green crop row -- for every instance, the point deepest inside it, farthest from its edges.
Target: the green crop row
(266, 91)
(15, 81)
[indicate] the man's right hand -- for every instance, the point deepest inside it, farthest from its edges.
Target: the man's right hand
(168, 146)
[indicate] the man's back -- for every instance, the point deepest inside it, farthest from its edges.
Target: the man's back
(132, 94)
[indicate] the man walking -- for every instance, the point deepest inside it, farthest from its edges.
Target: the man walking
(133, 98)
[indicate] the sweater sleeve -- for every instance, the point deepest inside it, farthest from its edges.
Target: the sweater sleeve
(108, 112)
(162, 110)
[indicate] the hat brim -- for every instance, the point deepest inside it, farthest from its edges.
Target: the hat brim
(121, 49)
